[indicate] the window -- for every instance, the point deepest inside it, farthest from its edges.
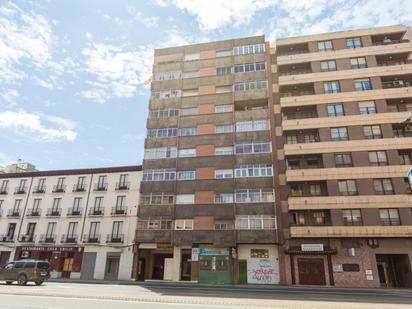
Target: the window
(227, 128)
(335, 110)
(329, 65)
(366, 108)
(223, 151)
(36, 205)
(223, 108)
(185, 153)
(291, 139)
(190, 92)
(192, 56)
(22, 185)
(319, 217)
(191, 74)
(98, 204)
(315, 189)
(298, 218)
(254, 147)
(221, 174)
(185, 199)
(167, 75)
(4, 184)
(161, 95)
(161, 198)
(77, 202)
(188, 111)
(406, 158)
(377, 158)
(224, 71)
(347, 187)
(251, 85)
(160, 153)
(186, 175)
(117, 229)
(362, 84)
(383, 186)
(389, 216)
(223, 198)
(353, 43)
(187, 131)
(159, 175)
(331, 87)
(41, 184)
(94, 230)
(372, 132)
(51, 228)
(161, 133)
(310, 138)
(325, 46)
(339, 134)
(16, 206)
(224, 53)
(123, 183)
(262, 222)
(56, 204)
(248, 126)
(30, 230)
(358, 63)
(293, 164)
(352, 217)
(120, 202)
(254, 170)
(249, 49)
(223, 225)
(224, 89)
(259, 253)
(343, 160)
(186, 224)
(254, 196)
(72, 229)
(163, 113)
(249, 67)
(11, 228)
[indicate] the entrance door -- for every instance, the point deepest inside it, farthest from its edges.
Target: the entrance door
(214, 269)
(311, 271)
(158, 266)
(4, 258)
(393, 270)
(186, 265)
(88, 264)
(142, 269)
(67, 267)
(112, 268)
(242, 272)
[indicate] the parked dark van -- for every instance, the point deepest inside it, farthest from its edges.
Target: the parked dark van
(24, 271)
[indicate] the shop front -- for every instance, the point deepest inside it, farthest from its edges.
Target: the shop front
(154, 261)
(215, 265)
(65, 262)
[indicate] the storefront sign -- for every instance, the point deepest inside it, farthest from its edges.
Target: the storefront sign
(51, 249)
(263, 271)
(312, 247)
(337, 268)
(211, 251)
(195, 254)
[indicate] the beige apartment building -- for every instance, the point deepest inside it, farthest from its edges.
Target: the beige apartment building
(340, 101)
(82, 221)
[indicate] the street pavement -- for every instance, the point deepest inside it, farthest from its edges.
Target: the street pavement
(56, 295)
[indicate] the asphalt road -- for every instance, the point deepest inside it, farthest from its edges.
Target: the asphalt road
(54, 295)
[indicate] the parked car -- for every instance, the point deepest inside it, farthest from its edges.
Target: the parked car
(24, 271)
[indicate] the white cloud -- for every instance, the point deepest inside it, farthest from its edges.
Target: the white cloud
(4, 159)
(39, 125)
(147, 21)
(9, 97)
(161, 3)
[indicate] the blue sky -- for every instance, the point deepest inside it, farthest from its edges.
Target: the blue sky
(72, 72)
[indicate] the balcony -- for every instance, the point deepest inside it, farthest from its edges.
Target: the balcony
(91, 239)
(297, 90)
(6, 238)
(350, 231)
(47, 239)
(119, 211)
(59, 189)
(390, 221)
(389, 38)
(122, 186)
(96, 211)
(215, 237)
(74, 212)
(39, 189)
(295, 69)
(27, 238)
(115, 238)
(256, 236)
(3, 191)
(80, 187)
(399, 105)
(392, 59)
(352, 221)
(308, 189)
(304, 162)
(292, 49)
(53, 212)
(20, 190)
(33, 212)
(100, 187)
(153, 236)
(305, 112)
(69, 239)
(12, 213)
(388, 83)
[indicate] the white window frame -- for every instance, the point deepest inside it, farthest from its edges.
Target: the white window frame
(187, 153)
(224, 151)
(223, 108)
(186, 175)
(223, 174)
(183, 224)
(184, 199)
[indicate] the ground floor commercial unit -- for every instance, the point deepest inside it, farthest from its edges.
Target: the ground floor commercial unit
(363, 263)
(255, 264)
(77, 261)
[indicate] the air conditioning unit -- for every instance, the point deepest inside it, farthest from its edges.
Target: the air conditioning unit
(351, 252)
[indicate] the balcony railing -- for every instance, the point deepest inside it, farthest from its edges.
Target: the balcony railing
(115, 238)
(47, 239)
(96, 211)
(74, 212)
(119, 211)
(396, 84)
(33, 212)
(352, 221)
(122, 185)
(297, 72)
(39, 189)
(3, 191)
(91, 239)
(393, 62)
(254, 196)
(80, 187)
(6, 238)
(390, 221)
(20, 190)
(100, 187)
(59, 189)
(296, 93)
(69, 239)
(293, 52)
(12, 213)
(54, 212)
(27, 238)
(389, 42)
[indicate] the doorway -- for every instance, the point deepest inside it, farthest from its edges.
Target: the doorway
(311, 272)
(67, 266)
(159, 265)
(4, 258)
(394, 270)
(186, 268)
(112, 268)
(141, 269)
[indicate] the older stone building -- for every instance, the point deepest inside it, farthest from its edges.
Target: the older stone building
(340, 100)
(82, 221)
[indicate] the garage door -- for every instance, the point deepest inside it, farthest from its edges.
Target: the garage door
(311, 271)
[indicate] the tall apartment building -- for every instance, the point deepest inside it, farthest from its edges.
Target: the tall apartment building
(83, 221)
(207, 208)
(340, 100)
